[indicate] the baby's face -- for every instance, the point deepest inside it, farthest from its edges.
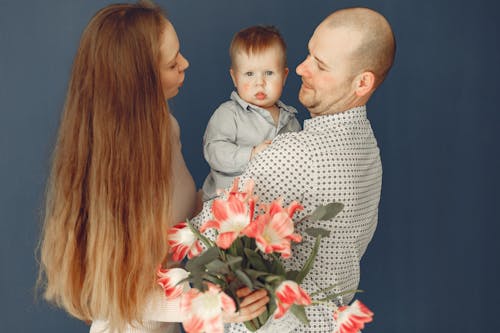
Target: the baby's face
(259, 78)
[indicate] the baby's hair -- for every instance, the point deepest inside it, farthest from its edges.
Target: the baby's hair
(256, 39)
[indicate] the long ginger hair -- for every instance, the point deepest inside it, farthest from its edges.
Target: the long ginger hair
(109, 192)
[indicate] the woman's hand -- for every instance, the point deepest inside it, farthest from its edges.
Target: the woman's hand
(253, 305)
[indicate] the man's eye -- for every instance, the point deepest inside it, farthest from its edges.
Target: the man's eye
(269, 73)
(249, 74)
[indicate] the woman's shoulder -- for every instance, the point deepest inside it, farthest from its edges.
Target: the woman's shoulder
(176, 129)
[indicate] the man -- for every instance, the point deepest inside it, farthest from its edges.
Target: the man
(335, 157)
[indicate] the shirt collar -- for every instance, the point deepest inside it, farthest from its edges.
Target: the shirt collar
(349, 116)
(249, 107)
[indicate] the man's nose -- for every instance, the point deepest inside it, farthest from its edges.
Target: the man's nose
(301, 68)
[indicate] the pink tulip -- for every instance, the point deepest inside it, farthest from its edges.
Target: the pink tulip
(169, 280)
(351, 319)
(287, 294)
(244, 195)
(204, 310)
(182, 242)
(231, 217)
(274, 230)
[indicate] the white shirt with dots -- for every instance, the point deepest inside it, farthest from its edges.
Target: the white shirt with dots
(334, 159)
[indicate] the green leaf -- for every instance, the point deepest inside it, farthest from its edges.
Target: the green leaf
(271, 306)
(299, 312)
(259, 284)
(273, 278)
(337, 295)
(198, 263)
(319, 212)
(248, 243)
(263, 317)
(250, 326)
(234, 262)
(309, 262)
(231, 291)
(292, 275)
(255, 260)
(197, 282)
(324, 290)
(236, 248)
(235, 284)
(215, 280)
(243, 277)
(322, 213)
(217, 266)
(315, 232)
(208, 243)
(194, 269)
(253, 274)
(277, 266)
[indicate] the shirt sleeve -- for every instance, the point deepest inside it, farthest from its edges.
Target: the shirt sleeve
(220, 147)
(281, 170)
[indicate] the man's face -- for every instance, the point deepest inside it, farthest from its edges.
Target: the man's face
(327, 78)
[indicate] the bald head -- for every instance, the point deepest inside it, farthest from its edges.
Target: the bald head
(375, 49)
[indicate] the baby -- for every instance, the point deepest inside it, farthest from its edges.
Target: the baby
(245, 125)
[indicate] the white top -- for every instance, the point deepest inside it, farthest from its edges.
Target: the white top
(335, 158)
(162, 315)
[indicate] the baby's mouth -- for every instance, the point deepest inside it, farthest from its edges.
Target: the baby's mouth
(260, 95)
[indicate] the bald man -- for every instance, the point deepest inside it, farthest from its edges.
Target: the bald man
(335, 157)
(350, 54)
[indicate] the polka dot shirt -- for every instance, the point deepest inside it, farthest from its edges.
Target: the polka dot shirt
(334, 159)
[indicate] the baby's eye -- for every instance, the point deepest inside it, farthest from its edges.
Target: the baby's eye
(268, 73)
(249, 74)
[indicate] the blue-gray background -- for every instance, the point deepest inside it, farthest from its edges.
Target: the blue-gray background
(432, 265)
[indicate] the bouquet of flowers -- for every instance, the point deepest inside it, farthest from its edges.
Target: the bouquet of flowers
(247, 251)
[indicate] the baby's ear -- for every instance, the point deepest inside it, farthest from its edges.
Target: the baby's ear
(231, 72)
(285, 72)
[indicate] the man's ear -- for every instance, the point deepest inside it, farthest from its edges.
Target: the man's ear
(365, 84)
(285, 75)
(231, 72)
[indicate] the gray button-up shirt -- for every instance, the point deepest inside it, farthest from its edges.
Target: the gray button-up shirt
(232, 132)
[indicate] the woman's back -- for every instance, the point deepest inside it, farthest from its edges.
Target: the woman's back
(118, 179)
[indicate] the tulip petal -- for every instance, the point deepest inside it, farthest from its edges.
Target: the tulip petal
(351, 319)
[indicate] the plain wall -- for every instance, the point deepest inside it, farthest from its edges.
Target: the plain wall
(432, 265)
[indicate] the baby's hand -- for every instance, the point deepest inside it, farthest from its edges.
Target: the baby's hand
(260, 147)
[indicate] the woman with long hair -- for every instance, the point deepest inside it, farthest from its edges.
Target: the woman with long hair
(118, 179)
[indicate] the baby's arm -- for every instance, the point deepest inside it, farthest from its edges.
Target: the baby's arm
(220, 148)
